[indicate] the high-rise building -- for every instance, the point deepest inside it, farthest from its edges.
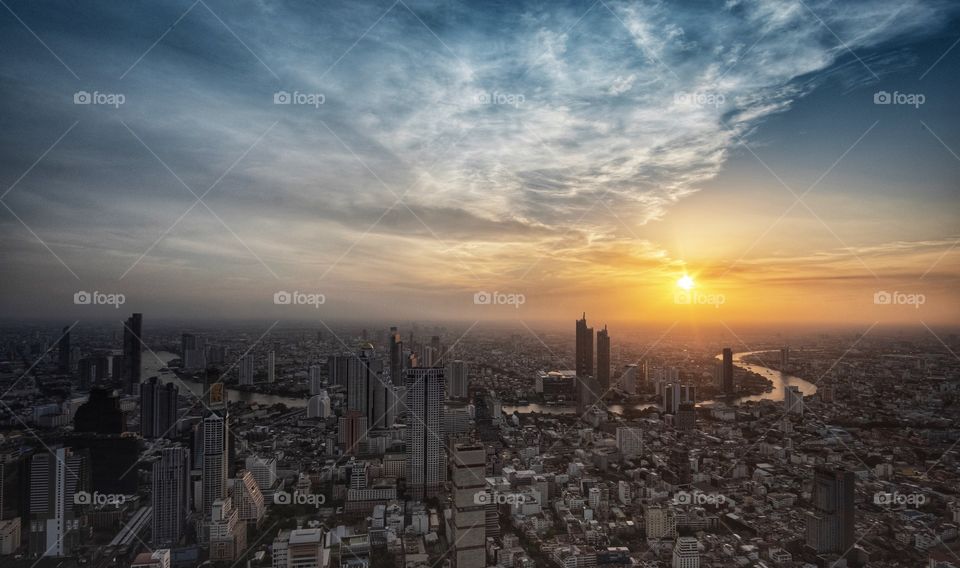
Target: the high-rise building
(316, 380)
(264, 471)
(686, 553)
(245, 370)
(93, 369)
(227, 533)
(426, 469)
(457, 381)
(132, 351)
(214, 472)
(337, 369)
(628, 379)
(248, 499)
(319, 406)
(603, 360)
(629, 442)
(726, 380)
(686, 417)
(468, 522)
(792, 399)
(63, 351)
(587, 390)
(57, 482)
(784, 359)
(193, 354)
(271, 366)
(830, 525)
(352, 431)
(396, 355)
(158, 409)
(170, 494)
(671, 398)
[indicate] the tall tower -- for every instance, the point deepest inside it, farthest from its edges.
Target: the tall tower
(132, 346)
(726, 380)
(468, 470)
(587, 389)
(271, 366)
(603, 360)
(57, 480)
(458, 383)
(158, 409)
(396, 355)
(246, 370)
(63, 351)
(169, 483)
(830, 526)
(214, 472)
(426, 469)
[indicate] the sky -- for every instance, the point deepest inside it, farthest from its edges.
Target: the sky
(798, 160)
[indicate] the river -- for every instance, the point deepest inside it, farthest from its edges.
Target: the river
(151, 367)
(778, 379)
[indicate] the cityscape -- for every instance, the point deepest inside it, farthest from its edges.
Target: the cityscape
(445, 284)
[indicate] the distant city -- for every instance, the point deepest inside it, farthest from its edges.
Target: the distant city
(429, 445)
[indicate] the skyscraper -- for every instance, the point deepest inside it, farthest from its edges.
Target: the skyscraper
(603, 360)
(830, 525)
(132, 346)
(170, 480)
(587, 390)
(63, 351)
(792, 399)
(158, 409)
(58, 482)
(316, 380)
(246, 370)
(396, 355)
(426, 469)
(726, 380)
(468, 470)
(457, 384)
(192, 352)
(271, 366)
(214, 472)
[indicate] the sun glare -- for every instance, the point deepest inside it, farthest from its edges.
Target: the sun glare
(685, 282)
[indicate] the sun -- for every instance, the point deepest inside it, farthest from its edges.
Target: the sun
(685, 282)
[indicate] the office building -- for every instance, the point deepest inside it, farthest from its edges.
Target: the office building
(245, 370)
(352, 431)
(158, 409)
(264, 471)
(587, 390)
(132, 352)
(628, 379)
(425, 446)
(170, 494)
(603, 361)
(271, 366)
(830, 525)
(686, 553)
(396, 355)
(298, 548)
(726, 380)
(57, 520)
(792, 400)
(457, 381)
(248, 499)
(319, 406)
(469, 518)
(193, 354)
(629, 442)
(316, 380)
(227, 533)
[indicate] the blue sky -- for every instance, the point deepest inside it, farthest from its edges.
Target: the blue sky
(550, 148)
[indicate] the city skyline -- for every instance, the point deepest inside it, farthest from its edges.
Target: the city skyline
(796, 159)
